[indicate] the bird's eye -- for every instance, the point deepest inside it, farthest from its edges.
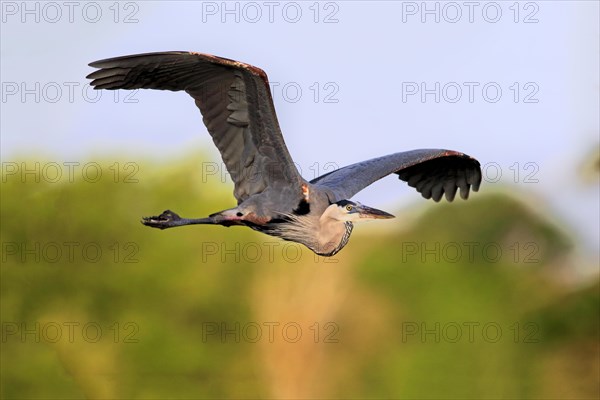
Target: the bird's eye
(348, 207)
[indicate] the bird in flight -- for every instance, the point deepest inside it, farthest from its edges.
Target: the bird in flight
(238, 111)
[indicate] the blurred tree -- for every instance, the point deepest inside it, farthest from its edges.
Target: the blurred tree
(167, 303)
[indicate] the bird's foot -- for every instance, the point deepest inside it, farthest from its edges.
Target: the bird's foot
(167, 219)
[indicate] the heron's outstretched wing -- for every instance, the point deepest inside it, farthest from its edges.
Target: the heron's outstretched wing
(432, 172)
(235, 101)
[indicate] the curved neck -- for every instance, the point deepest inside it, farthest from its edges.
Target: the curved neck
(324, 234)
(332, 235)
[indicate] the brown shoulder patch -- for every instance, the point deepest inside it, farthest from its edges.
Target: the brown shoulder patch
(236, 64)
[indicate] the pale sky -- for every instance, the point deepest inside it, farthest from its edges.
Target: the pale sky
(517, 86)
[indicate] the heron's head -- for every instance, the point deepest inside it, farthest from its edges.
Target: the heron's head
(329, 233)
(350, 211)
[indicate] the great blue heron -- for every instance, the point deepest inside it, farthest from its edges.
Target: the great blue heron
(236, 103)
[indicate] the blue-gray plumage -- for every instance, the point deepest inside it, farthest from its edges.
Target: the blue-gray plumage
(238, 111)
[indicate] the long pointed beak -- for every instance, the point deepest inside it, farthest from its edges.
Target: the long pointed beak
(372, 213)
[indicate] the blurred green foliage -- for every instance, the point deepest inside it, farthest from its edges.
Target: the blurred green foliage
(466, 302)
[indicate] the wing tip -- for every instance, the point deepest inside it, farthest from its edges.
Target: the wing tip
(460, 171)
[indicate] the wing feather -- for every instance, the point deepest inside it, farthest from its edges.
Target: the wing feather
(433, 172)
(236, 104)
